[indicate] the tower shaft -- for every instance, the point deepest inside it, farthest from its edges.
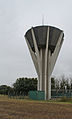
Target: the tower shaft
(44, 60)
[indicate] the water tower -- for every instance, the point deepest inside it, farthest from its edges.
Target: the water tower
(44, 43)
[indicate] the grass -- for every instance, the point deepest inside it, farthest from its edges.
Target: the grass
(62, 100)
(30, 109)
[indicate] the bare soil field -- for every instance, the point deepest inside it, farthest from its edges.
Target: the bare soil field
(24, 109)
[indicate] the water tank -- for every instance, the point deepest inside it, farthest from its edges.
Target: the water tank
(41, 37)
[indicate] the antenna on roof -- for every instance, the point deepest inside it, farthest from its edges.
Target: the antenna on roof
(42, 19)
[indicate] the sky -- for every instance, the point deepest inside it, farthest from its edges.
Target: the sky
(16, 17)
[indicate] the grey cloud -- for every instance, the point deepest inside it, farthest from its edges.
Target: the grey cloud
(16, 17)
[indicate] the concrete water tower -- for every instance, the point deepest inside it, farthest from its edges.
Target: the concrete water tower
(44, 43)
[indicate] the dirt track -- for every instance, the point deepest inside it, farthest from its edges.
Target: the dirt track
(15, 109)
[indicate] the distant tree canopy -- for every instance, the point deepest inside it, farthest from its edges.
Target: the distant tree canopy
(4, 89)
(63, 83)
(23, 85)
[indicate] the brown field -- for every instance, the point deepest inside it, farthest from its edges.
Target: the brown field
(24, 109)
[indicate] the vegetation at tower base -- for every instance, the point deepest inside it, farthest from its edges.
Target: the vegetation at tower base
(60, 87)
(23, 85)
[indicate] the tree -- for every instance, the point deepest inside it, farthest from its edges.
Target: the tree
(4, 89)
(57, 84)
(67, 84)
(64, 82)
(52, 83)
(23, 85)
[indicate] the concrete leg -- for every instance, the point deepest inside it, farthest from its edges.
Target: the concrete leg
(44, 63)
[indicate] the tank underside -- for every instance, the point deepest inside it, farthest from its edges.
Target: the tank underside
(41, 37)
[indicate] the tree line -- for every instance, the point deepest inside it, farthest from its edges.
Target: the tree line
(23, 85)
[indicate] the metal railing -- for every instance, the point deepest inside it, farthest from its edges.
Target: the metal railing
(56, 93)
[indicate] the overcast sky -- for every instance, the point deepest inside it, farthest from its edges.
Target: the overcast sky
(16, 17)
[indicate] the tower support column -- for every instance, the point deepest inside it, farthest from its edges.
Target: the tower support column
(43, 57)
